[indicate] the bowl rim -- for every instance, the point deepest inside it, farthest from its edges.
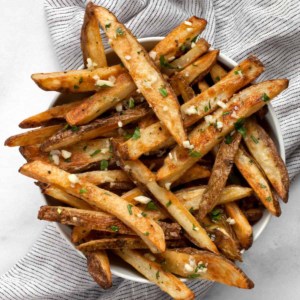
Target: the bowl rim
(271, 118)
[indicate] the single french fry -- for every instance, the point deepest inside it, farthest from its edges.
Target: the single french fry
(241, 226)
(183, 88)
(149, 81)
(199, 48)
(32, 137)
(97, 128)
(103, 199)
(219, 175)
(205, 265)
(121, 242)
(203, 86)
(97, 220)
(100, 177)
(139, 172)
(265, 153)
(99, 268)
(194, 173)
(75, 81)
(205, 136)
(217, 72)
(256, 179)
(90, 39)
(196, 71)
(181, 36)
(147, 121)
(52, 114)
(64, 197)
(79, 233)
(101, 101)
(222, 91)
(85, 155)
(154, 273)
(192, 197)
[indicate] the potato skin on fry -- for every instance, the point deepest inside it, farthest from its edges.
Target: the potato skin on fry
(265, 153)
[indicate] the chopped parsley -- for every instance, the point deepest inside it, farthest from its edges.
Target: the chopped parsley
(114, 228)
(119, 31)
(194, 227)
(74, 128)
(103, 164)
(151, 206)
(269, 199)
(163, 92)
(218, 78)
(228, 139)
(164, 63)
(239, 126)
(95, 153)
(225, 113)
(129, 208)
(82, 191)
(200, 267)
(265, 97)
(131, 103)
(254, 139)
(192, 276)
(191, 210)
(195, 154)
(137, 133)
(194, 39)
(107, 25)
(76, 87)
(157, 275)
(168, 203)
(143, 214)
(216, 214)
(262, 186)
(80, 80)
(146, 233)
(206, 108)
(183, 47)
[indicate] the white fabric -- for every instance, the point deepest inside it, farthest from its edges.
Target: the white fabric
(268, 29)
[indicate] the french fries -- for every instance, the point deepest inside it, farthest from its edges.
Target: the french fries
(179, 37)
(219, 175)
(56, 113)
(85, 155)
(101, 101)
(217, 72)
(241, 225)
(99, 268)
(265, 153)
(203, 86)
(193, 263)
(149, 81)
(183, 88)
(100, 177)
(97, 128)
(76, 81)
(103, 199)
(205, 136)
(32, 137)
(154, 273)
(90, 40)
(256, 179)
(139, 172)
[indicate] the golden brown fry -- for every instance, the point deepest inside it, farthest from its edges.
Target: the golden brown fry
(205, 136)
(85, 155)
(75, 81)
(217, 72)
(194, 173)
(203, 86)
(265, 153)
(55, 113)
(149, 81)
(97, 220)
(103, 199)
(196, 71)
(97, 128)
(154, 273)
(183, 88)
(256, 179)
(241, 226)
(32, 137)
(147, 121)
(101, 101)
(219, 175)
(205, 265)
(79, 234)
(207, 101)
(179, 37)
(199, 48)
(139, 172)
(99, 268)
(91, 42)
(192, 197)
(100, 177)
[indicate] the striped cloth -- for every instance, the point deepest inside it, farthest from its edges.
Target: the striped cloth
(268, 29)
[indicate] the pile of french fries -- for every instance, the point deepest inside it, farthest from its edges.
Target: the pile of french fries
(163, 160)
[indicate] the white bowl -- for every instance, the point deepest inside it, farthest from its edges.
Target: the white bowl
(118, 267)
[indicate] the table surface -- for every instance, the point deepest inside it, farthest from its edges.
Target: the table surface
(273, 262)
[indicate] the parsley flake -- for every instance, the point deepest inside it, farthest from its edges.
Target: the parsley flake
(129, 208)
(137, 134)
(103, 164)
